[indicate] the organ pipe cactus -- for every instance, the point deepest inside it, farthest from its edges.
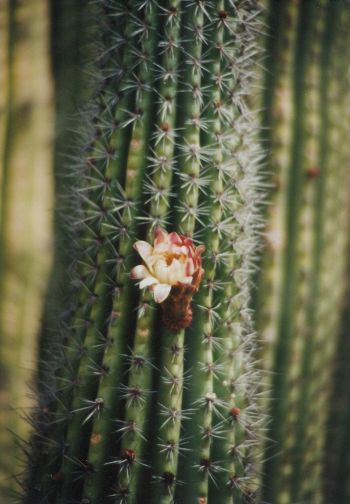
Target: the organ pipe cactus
(152, 397)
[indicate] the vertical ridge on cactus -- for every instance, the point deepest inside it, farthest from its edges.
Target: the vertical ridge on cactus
(190, 154)
(199, 465)
(337, 210)
(295, 315)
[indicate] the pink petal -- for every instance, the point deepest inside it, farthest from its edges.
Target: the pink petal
(161, 292)
(187, 280)
(200, 249)
(175, 238)
(146, 282)
(189, 267)
(144, 249)
(160, 236)
(187, 242)
(139, 272)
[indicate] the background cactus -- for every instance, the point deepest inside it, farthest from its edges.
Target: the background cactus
(336, 454)
(171, 144)
(25, 213)
(71, 30)
(296, 317)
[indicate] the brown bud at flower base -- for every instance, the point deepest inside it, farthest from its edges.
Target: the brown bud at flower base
(177, 309)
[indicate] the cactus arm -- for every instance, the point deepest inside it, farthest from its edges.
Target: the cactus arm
(279, 113)
(326, 312)
(92, 337)
(190, 162)
(306, 253)
(136, 164)
(309, 264)
(196, 464)
(285, 318)
(237, 386)
(133, 441)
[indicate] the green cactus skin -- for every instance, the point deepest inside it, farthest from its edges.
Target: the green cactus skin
(278, 114)
(136, 162)
(320, 394)
(204, 320)
(316, 366)
(335, 450)
(303, 333)
(118, 332)
(335, 470)
(307, 268)
(172, 141)
(75, 320)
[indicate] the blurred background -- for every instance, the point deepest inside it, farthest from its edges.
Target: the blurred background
(41, 85)
(302, 297)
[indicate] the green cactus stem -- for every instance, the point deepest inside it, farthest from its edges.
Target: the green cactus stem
(86, 402)
(307, 267)
(294, 323)
(278, 96)
(159, 189)
(321, 364)
(172, 140)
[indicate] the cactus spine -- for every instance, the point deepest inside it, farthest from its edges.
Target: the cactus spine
(171, 142)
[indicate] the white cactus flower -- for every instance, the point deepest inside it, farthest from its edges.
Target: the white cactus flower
(172, 260)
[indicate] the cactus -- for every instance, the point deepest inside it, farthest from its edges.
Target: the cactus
(296, 315)
(335, 471)
(70, 26)
(145, 402)
(25, 220)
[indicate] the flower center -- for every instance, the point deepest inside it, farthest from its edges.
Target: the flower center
(169, 256)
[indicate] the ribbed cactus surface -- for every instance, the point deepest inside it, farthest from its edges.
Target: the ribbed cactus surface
(300, 291)
(151, 395)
